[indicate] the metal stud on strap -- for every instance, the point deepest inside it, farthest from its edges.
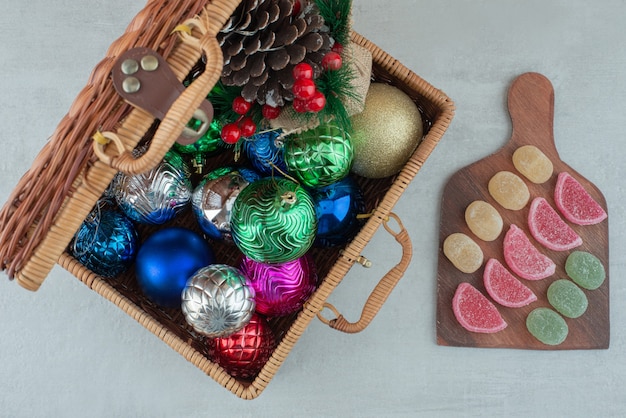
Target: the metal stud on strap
(145, 80)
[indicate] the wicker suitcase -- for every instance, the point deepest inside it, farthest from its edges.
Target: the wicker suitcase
(69, 176)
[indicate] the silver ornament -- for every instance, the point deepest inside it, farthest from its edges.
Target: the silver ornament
(212, 202)
(156, 196)
(218, 301)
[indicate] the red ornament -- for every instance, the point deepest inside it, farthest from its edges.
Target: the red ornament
(304, 88)
(300, 105)
(303, 71)
(332, 61)
(241, 106)
(244, 353)
(247, 126)
(297, 6)
(316, 103)
(270, 112)
(231, 133)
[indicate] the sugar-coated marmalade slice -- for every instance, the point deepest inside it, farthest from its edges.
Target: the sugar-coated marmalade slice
(509, 190)
(463, 252)
(483, 220)
(547, 326)
(567, 298)
(547, 227)
(475, 312)
(575, 203)
(505, 288)
(585, 269)
(533, 164)
(523, 258)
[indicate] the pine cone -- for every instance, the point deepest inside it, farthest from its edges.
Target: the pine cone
(262, 42)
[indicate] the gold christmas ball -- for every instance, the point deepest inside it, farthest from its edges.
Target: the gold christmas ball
(386, 133)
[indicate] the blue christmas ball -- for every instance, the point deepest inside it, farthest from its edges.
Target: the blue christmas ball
(336, 207)
(166, 260)
(106, 242)
(265, 154)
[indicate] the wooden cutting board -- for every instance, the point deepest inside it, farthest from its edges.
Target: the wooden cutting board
(531, 107)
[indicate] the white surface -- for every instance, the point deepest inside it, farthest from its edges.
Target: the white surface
(68, 352)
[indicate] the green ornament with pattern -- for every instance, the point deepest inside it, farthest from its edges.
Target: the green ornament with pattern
(319, 156)
(273, 221)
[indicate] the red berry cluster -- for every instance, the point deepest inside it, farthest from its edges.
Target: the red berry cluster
(243, 127)
(307, 97)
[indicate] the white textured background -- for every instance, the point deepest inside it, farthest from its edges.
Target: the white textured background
(65, 351)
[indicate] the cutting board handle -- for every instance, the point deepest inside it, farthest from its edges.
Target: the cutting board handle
(531, 106)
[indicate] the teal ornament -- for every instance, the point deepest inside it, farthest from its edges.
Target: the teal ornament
(273, 221)
(337, 207)
(158, 195)
(265, 153)
(106, 242)
(320, 156)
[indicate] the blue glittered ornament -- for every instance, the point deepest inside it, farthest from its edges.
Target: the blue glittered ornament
(336, 207)
(106, 242)
(265, 153)
(166, 260)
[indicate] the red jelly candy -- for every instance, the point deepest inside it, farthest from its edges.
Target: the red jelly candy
(475, 312)
(523, 258)
(575, 203)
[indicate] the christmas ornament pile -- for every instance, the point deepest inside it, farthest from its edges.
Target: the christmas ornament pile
(284, 192)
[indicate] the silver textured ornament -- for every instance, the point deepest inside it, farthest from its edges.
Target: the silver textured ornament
(156, 196)
(212, 203)
(218, 301)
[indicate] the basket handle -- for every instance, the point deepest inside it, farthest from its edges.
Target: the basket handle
(184, 107)
(382, 290)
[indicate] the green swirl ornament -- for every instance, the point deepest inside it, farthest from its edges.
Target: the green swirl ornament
(320, 156)
(273, 221)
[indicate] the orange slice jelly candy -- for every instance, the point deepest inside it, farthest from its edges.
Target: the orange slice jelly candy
(475, 312)
(523, 258)
(505, 288)
(575, 203)
(547, 227)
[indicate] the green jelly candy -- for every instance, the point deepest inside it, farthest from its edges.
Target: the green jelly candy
(567, 298)
(585, 269)
(547, 326)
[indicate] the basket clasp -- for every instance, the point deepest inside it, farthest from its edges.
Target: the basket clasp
(145, 80)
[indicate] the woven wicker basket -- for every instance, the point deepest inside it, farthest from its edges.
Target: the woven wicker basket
(68, 177)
